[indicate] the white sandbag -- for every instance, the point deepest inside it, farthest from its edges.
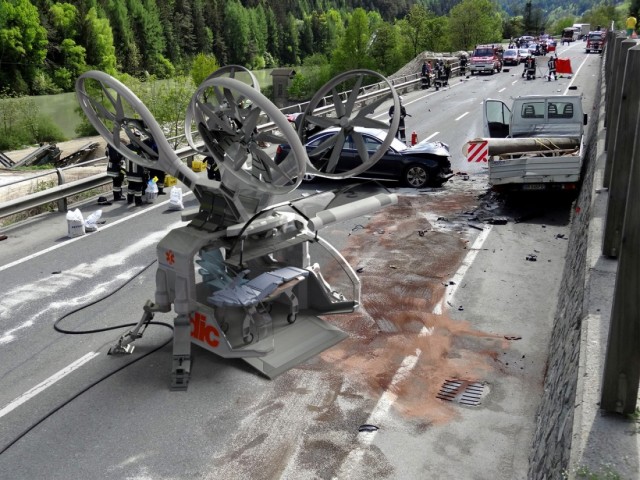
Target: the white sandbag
(175, 199)
(91, 223)
(75, 223)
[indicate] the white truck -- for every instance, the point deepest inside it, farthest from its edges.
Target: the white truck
(537, 144)
(582, 30)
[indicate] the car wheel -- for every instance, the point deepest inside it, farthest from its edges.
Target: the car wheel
(416, 176)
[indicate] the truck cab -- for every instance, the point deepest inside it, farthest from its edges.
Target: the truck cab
(595, 42)
(486, 58)
(534, 116)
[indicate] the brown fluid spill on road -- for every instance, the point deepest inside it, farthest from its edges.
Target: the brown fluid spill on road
(403, 277)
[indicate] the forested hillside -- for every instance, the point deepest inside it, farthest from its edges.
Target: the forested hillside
(46, 44)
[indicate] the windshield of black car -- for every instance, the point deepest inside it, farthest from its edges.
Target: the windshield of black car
(483, 52)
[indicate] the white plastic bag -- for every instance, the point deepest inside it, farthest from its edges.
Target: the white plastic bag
(175, 199)
(151, 192)
(91, 223)
(75, 223)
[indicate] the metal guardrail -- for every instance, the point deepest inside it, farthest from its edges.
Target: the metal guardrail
(59, 194)
(62, 191)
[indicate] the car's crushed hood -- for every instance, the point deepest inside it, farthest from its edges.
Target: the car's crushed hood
(435, 148)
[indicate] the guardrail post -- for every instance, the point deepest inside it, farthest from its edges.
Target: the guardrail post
(622, 46)
(621, 374)
(63, 205)
(619, 156)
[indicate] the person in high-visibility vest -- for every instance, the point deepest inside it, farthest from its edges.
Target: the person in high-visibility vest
(631, 24)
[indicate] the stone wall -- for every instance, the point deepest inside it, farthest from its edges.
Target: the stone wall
(551, 447)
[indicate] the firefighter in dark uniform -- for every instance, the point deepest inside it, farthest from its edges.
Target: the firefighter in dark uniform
(401, 133)
(116, 169)
(137, 177)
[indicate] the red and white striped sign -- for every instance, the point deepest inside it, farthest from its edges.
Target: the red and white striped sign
(478, 151)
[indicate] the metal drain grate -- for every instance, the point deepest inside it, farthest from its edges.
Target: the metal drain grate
(462, 391)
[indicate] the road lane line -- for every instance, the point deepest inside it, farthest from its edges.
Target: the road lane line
(461, 116)
(502, 90)
(388, 398)
(459, 275)
(575, 75)
(50, 286)
(76, 239)
(47, 383)
(431, 136)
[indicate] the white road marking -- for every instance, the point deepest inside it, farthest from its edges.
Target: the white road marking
(47, 383)
(51, 285)
(459, 275)
(461, 116)
(431, 136)
(514, 82)
(575, 75)
(502, 90)
(388, 398)
(77, 239)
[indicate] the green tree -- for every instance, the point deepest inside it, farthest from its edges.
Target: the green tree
(416, 28)
(290, 41)
(124, 39)
(236, 32)
(203, 66)
(353, 49)
(601, 15)
(385, 49)
(23, 43)
(64, 18)
(101, 52)
(472, 22)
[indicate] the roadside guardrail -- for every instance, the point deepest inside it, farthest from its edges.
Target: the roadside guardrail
(63, 191)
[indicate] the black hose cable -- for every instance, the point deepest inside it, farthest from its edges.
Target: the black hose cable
(87, 388)
(98, 300)
(86, 332)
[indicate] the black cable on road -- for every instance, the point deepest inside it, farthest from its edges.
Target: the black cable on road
(86, 332)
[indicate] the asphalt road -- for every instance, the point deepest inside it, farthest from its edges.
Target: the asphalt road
(445, 297)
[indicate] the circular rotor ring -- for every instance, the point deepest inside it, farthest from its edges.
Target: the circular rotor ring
(347, 119)
(228, 124)
(229, 71)
(122, 114)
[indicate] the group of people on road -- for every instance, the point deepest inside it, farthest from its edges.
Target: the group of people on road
(120, 168)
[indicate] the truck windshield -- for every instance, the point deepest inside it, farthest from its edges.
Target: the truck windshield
(483, 52)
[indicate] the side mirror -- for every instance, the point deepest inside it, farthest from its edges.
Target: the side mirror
(584, 119)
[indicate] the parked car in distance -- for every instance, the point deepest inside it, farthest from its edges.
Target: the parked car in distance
(424, 164)
(523, 53)
(511, 56)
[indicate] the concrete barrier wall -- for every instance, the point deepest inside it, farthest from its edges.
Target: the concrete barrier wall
(551, 446)
(587, 420)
